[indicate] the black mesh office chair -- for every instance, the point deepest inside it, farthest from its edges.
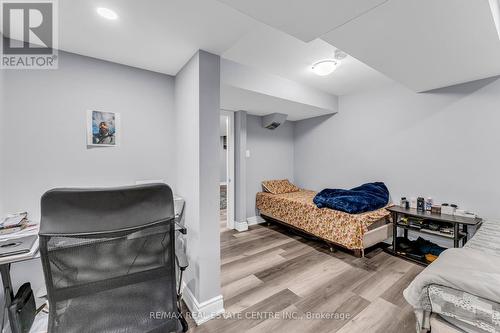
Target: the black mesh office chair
(108, 258)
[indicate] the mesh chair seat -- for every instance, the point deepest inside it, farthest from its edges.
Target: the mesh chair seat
(108, 257)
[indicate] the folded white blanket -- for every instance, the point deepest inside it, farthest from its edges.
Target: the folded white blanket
(469, 270)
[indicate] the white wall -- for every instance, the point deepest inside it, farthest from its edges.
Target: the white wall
(45, 133)
(197, 105)
(271, 157)
(443, 144)
(248, 78)
(187, 158)
(43, 136)
(240, 167)
(209, 108)
(3, 117)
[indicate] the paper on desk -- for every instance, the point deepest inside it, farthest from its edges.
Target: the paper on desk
(32, 229)
(11, 221)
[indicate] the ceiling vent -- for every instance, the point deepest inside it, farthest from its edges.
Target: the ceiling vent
(273, 120)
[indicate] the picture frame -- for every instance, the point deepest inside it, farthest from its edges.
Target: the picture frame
(103, 128)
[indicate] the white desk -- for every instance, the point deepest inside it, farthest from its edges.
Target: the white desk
(34, 253)
(5, 263)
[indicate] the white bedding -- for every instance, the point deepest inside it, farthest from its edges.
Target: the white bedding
(469, 270)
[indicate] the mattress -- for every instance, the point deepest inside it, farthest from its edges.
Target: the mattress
(298, 210)
(486, 238)
(468, 312)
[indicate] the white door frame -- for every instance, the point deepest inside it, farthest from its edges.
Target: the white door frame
(230, 167)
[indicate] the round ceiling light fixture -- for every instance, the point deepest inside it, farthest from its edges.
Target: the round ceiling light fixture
(107, 13)
(328, 66)
(325, 67)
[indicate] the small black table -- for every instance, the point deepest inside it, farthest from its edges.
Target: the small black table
(460, 226)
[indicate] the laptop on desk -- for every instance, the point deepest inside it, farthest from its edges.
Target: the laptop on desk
(17, 246)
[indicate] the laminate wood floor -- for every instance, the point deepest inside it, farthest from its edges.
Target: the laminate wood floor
(276, 281)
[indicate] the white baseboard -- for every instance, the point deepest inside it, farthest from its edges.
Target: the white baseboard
(240, 226)
(204, 311)
(255, 220)
(231, 225)
(243, 226)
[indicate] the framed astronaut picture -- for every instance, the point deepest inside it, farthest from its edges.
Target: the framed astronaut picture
(103, 128)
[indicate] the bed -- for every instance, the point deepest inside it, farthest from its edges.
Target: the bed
(462, 310)
(459, 291)
(351, 231)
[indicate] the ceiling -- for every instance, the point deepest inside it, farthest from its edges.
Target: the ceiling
(439, 43)
(234, 99)
(278, 53)
(161, 35)
(157, 35)
(422, 44)
(305, 20)
(425, 44)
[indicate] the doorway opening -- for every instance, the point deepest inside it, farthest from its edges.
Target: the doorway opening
(226, 170)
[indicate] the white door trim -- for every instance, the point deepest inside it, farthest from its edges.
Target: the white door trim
(230, 167)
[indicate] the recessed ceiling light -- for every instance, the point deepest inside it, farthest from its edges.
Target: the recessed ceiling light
(107, 13)
(325, 67)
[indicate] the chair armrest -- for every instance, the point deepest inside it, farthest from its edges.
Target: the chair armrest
(181, 259)
(179, 227)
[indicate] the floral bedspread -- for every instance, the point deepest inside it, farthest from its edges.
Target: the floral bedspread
(298, 210)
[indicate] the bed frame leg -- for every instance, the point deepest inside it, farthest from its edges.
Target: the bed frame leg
(330, 247)
(359, 253)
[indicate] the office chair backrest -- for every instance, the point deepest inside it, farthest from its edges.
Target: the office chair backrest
(108, 259)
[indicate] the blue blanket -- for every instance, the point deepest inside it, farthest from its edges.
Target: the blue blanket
(364, 198)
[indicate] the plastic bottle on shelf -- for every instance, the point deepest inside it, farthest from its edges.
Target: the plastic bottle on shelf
(403, 202)
(428, 204)
(413, 202)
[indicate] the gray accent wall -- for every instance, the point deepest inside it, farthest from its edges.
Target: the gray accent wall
(209, 233)
(271, 157)
(3, 147)
(240, 170)
(43, 133)
(443, 144)
(197, 107)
